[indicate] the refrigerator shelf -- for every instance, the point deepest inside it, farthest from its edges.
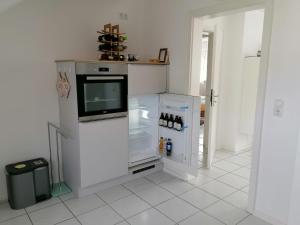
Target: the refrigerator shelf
(175, 108)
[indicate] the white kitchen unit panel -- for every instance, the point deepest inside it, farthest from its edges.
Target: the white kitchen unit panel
(184, 157)
(103, 150)
(146, 79)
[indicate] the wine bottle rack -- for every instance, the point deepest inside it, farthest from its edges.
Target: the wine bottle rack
(115, 45)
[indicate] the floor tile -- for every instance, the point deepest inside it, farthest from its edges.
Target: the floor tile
(70, 222)
(85, 204)
(199, 198)
(138, 184)
(227, 166)
(246, 155)
(212, 172)
(154, 195)
(7, 213)
(130, 206)
(123, 223)
(218, 189)
(200, 180)
(234, 181)
(114, 193)
(252, 220)
(67, 197)
(238, 199)
(226, 213)
(242, 161)
(51, 215)
(177, 186)
(246, 189)
(160, 177)
(223, 154)
(243, 172)
(177, 209)
(21, 220)
(200, 219)
(43, 204)
(101, 216)
(150, 217)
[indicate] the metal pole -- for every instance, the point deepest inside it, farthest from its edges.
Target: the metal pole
(50, 150)
(58, 159)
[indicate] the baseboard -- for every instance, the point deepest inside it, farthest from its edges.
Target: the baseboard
(267, 218)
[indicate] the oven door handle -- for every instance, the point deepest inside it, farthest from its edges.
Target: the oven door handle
(105, 78)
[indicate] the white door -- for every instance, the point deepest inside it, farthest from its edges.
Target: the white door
(212, 90)
(184, 158)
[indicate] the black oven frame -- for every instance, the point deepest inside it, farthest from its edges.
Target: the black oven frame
(82, 79)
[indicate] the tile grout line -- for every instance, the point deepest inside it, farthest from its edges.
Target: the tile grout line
(71, 213)
(109, 204)
(219, 199)
(198, 210)
(152, 207)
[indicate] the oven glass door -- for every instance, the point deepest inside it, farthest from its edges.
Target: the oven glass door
(101, 97)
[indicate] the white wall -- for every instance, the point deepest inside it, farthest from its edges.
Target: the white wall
(33, 34)
(280, 135)
(167, 25)
(294, 214)
(253, 32)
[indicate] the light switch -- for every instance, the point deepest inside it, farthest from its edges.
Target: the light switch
(278, 108)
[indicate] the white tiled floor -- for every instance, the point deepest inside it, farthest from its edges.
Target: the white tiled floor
(216, 197)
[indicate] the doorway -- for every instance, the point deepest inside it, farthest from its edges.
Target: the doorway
(223, 92)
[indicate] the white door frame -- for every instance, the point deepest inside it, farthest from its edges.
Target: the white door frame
(230, 7)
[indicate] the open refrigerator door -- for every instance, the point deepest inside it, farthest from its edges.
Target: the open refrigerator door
(182, 161)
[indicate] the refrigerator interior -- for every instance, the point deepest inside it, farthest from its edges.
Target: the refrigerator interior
(143, 129)
(181, 106)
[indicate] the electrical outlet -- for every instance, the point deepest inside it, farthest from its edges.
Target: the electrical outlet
(123, 16)
(278, 108)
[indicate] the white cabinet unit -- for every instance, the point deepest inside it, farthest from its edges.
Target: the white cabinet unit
(146, 79)
(103, 155)
(93, 152)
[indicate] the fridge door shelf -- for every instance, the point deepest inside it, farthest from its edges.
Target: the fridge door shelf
(174, 108)
(173, 130)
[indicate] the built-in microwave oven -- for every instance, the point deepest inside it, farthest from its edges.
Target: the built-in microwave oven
(102, 92)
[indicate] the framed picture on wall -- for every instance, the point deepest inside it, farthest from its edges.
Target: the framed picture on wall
(163, 55)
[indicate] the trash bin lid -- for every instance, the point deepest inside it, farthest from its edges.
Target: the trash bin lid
(18, 168)
(25, 166)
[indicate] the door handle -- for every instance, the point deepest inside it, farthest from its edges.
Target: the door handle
(212, 97)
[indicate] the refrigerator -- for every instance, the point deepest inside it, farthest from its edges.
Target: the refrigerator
(145, 132)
